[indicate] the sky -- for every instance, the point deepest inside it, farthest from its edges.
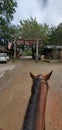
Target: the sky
(45, 11)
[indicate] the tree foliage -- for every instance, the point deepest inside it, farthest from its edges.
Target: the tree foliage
(7, 10)
(31, 29)
(56, 35)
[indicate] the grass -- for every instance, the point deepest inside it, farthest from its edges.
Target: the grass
(14, 60)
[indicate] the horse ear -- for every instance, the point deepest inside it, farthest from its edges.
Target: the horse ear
(32, 76)
(48, 76)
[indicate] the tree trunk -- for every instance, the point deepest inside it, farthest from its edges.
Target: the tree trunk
(37, 50)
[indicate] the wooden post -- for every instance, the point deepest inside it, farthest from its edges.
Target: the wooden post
(15, 48)
(37, 50)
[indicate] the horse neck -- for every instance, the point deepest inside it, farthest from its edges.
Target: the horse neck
(29, 120)
(41, 107)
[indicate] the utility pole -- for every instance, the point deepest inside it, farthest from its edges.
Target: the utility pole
(37, 50)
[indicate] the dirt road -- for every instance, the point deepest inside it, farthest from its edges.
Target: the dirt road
(15, 92)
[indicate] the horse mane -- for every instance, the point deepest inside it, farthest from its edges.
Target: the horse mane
(29, 119)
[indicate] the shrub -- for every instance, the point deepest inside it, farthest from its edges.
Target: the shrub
(28, 52)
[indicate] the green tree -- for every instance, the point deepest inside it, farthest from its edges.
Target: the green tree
(56, 35)
(7, 10)
(45, 32)
(31, 29)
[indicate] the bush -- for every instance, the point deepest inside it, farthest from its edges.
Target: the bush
(28, 52)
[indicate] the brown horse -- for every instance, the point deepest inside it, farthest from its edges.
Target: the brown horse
(35, 114)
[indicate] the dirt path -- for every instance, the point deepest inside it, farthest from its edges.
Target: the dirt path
(15, 92)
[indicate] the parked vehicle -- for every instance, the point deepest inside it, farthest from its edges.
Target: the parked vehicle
(4, 57)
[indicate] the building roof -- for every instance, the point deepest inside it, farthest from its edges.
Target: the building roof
(52, 46)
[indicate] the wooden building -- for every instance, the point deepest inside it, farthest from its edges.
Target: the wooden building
(52, 52)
